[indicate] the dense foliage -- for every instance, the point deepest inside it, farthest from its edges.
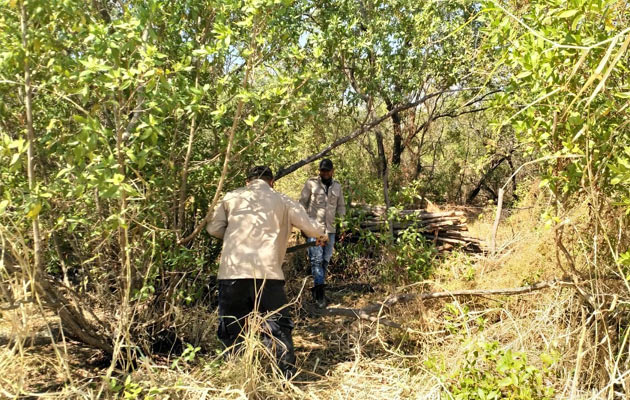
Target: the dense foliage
(123, 122)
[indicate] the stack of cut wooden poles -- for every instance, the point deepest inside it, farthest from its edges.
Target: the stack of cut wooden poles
(447, 229)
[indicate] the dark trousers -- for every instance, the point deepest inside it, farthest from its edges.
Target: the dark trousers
(237, 299)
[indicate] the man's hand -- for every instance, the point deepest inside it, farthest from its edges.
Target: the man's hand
(321, 240)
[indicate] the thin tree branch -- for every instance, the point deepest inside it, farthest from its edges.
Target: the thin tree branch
(31, 142)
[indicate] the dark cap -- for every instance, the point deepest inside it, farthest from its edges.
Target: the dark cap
(260, 171)
(325, 165)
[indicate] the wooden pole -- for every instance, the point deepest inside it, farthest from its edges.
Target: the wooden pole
(493, 240)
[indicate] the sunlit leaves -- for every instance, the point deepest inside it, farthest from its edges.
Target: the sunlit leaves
(584, 75)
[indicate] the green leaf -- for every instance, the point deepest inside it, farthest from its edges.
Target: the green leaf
(507, 381)
(251, 120)
(34, 211)
(117, 179)
(567, 14)
(15, 158)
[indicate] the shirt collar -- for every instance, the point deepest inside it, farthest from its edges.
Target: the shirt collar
(258, 183)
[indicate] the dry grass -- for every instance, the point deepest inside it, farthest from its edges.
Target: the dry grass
(346, 359)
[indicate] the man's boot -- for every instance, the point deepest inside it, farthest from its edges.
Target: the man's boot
(320, 298)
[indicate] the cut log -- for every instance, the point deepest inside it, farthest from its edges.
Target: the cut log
(426, 215)
(444, 227)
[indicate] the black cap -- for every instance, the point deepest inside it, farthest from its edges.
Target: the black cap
(325, 165)
(258, 172)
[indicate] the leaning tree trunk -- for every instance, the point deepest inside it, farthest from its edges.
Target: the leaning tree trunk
(480, 185)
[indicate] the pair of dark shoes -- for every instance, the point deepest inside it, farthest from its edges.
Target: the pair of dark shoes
(319, 295)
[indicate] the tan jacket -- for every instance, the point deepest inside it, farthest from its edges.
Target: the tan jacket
(255, 222)
(320, 206)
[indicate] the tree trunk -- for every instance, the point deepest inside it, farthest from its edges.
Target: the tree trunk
(384, 173)
(181, 203)
(382, 158)
(37, 264)
(71, 317)
(493, 166)
(398, 139)
(514, 186)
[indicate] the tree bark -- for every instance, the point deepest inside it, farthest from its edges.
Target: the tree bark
(495, 226)
(181, 203)
(514, 186)
(384, 173)
(398, 139)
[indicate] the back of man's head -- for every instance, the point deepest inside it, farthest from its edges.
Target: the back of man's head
(260, 172)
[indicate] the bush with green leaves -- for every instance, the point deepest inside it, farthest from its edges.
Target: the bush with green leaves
(565, 98)
(414, 253)
(490, 372)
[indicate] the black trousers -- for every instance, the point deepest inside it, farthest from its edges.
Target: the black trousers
(239, 297)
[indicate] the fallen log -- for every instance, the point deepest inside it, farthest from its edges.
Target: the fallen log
(426, 214)
(419, 224)
(366, 312)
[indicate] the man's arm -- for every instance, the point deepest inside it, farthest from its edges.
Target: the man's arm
(217, 226)
(305, 196)
(300, 219)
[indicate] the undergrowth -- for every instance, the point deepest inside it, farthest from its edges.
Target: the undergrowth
(533, 346)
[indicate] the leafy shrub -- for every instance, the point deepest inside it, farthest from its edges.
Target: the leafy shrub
(415, 253)
(490, 372)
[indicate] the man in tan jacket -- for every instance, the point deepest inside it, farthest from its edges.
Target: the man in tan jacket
(255, 222)
(323, 200)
